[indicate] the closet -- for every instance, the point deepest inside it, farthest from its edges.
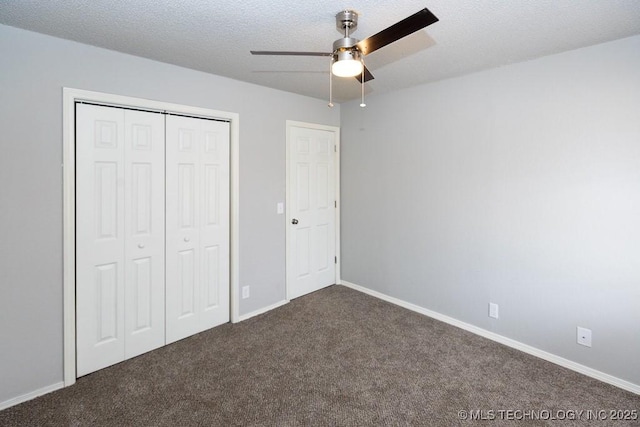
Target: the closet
(152, 231)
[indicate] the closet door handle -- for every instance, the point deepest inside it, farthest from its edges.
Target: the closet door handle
(294, 221)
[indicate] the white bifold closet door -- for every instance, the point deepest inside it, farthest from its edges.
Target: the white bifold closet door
(197, 225)
(120, 241)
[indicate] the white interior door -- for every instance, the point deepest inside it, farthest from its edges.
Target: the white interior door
(119, 235)
(311, 241)
(197, 245)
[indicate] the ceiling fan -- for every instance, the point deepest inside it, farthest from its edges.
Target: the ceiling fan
(347, 57)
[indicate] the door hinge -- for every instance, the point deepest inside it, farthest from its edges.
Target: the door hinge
(335, 203)
(335, 148)
(335, 259)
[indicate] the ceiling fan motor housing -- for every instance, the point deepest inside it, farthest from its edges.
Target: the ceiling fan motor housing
(345, 43)
(343, 49)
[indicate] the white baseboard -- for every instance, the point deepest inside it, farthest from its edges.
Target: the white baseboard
(550, 357)
(48, 389)
(31, 395)
(262, 310)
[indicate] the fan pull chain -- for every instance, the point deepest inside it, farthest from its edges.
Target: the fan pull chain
(330, 105)
(362, 104)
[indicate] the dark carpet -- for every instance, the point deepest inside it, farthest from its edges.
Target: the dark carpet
(336, 357)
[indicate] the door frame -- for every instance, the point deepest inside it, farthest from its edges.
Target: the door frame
(288, 230)
(69, 97)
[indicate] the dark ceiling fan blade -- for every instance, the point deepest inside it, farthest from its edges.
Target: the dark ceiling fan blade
(409, 25)
(367, 75)
(289, 53)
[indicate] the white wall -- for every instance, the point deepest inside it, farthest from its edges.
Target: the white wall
(33, 70)
(518, 185)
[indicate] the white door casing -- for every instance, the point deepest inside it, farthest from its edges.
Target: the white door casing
(311, 208)
(120, 235)
(197, 225)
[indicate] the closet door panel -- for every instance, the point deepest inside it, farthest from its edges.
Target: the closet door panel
(100, 237)
(144, 230)
(215, 225)
(197, 225)
(182, 241)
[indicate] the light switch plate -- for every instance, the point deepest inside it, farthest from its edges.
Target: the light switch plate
(493, 310)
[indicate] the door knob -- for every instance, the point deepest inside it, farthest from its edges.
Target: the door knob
(141, 245)
(186, 239)
(294, 221)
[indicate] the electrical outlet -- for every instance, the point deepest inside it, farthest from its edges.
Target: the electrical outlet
(493, 310)
(245, 292)
(280, 208)
(584, 336)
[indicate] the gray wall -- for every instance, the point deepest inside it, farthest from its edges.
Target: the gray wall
(33, 70)
(518, 185)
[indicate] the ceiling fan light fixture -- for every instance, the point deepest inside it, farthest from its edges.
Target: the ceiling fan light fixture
(347, 56)
(347, 64)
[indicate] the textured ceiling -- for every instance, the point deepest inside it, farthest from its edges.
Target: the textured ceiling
(215, 36)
